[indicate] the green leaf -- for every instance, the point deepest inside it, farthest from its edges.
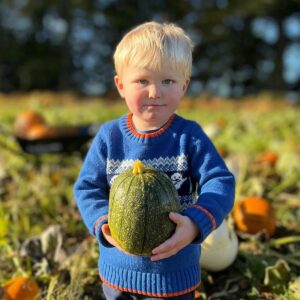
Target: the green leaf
(277, 276)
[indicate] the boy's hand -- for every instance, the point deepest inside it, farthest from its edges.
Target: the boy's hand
(186, 231)
(107, 235)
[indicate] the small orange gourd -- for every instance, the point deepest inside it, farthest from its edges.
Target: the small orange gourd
(254, 214)
(21, 288)
(40, 131)
(269, 158)
(26, 120)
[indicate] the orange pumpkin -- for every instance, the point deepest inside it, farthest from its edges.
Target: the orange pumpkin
(254, 214)
(269, 157)
(26, 120)
(21, 288)
(40, 131)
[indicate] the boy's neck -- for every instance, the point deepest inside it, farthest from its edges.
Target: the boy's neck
(146, 126)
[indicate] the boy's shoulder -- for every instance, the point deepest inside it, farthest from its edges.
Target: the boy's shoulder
(189, 125)
(110, 125)
(108, 129)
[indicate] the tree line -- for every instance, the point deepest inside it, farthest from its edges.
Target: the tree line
(241, 47)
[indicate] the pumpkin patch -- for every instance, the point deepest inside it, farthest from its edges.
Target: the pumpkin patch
(36, 190)
(140, 201)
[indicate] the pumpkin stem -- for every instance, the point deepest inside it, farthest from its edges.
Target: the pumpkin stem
(137, 167)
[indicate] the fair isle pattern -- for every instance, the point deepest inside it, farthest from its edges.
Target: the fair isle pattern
(186, 201)
(165, 164)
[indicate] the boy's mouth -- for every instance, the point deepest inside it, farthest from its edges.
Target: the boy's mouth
(154, 105)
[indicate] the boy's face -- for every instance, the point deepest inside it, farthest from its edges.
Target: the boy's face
(152, 96)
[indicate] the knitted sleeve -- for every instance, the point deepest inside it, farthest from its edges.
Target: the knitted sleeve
(215, 184)
(91, 187)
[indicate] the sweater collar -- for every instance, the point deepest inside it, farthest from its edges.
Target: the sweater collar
(152, 134)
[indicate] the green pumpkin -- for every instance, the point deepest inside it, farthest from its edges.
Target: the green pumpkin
(140, 201)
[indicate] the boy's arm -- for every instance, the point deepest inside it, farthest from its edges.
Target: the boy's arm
(216, 185)
(91, 187)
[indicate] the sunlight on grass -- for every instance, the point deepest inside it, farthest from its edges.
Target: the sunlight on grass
(36, 193)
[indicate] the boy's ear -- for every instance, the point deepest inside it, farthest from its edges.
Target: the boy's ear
(185, 85)
(119, 85)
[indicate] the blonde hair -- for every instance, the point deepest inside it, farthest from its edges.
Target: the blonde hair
(151, 45)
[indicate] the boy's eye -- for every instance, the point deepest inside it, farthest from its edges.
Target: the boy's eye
(143, 81)
(168, 81)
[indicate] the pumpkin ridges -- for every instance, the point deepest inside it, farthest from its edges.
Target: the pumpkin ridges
(165, 187)
(167, 190)
(125, 213)
(121, 219)
(145, 218)
(116, 187)
(151, 234)
(137, 209)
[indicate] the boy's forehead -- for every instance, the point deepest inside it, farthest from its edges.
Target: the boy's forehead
(165, 70)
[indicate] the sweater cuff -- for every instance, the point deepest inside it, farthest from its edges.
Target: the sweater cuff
(203, 219)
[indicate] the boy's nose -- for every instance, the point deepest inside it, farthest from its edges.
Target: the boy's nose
(154, 92)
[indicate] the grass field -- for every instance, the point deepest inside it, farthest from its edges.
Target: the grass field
(42, 235)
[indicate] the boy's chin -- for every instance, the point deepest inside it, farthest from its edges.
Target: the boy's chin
(150, 120)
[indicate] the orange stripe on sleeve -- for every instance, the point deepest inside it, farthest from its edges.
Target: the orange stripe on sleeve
(212, 219)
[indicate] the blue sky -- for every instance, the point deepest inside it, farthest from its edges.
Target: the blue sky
(267, 29)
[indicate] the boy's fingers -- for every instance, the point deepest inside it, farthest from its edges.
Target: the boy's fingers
(178, 219)
(106, 231)
(163, 255)
(168, 245)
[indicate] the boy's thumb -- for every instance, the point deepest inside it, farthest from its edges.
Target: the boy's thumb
(175, 217)
(105, 229)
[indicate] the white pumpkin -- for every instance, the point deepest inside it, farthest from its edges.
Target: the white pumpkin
(219, 249)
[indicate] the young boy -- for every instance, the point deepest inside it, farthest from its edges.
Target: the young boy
(153, 66)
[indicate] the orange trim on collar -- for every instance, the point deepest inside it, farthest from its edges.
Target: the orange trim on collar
(147, 135)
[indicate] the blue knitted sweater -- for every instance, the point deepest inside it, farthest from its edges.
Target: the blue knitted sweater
(205, 188)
